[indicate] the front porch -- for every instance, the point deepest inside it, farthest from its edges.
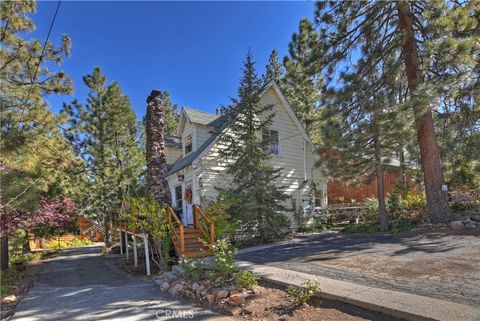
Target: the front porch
(190, 241)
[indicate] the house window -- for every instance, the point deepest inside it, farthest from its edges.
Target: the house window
(188, 144)
(271, 137)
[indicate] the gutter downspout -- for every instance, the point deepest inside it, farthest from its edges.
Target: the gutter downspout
(305, 159)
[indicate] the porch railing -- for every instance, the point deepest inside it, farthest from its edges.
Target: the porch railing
(178, 236)
(202, 222)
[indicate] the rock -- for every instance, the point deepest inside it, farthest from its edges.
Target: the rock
(470, 223)
(233, 310)
(10, 298)
(169, 276)
(237, 299)
(195, 286)
(222, 294)
(164, 286)
(178, 270)
(456, 225)
(176, 289)
(159, 281)
(210, 298)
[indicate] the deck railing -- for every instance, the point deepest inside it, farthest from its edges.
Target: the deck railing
(202, 222)
(178, 236)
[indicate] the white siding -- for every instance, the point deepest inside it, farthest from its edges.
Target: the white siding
(202, 134)
(290, 158)
(173, 154)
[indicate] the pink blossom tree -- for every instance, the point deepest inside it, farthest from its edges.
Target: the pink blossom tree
(51, 216)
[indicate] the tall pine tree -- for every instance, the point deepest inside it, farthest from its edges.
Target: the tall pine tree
(275, 70)
(171, 114)
(303, 83)
(407, 31)
(34, 154)
(106, 136)
(258, 199)
(364, 128)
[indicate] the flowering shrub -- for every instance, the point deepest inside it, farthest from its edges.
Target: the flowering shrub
(51, 214)
(224, 259)
(194, 270)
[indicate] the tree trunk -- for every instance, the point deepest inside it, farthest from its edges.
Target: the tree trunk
(437, 205)
(107, 230)
(157, 186)
(4, 257)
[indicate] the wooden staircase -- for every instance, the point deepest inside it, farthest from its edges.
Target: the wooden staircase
(188, 241)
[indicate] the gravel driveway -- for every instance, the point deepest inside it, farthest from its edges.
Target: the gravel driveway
(441, 265)
(81, 285)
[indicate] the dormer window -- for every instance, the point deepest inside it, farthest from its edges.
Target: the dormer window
(188, 144)
(271, 137)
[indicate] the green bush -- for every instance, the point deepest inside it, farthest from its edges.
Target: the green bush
(223, 260)
(225, 225)
(301, 294)
(413, 201)
(371, 209)
(394, 203)
(194, 270)
(75, 242)
(394, 226)
(246, 279)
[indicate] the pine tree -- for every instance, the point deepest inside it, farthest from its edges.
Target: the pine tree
(275, 70)
(302, 82)
(363, 130)
(258, 199)
(33, 151)
(407, 31)
(106, 136)
(171, 114)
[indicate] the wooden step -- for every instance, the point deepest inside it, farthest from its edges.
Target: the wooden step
(194, 254)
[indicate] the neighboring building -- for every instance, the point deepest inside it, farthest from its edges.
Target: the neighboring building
(89, 229)
(198, 170)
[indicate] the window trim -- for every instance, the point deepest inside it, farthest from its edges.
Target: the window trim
(185, 144)
(269, 133)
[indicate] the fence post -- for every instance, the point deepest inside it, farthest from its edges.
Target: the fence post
(147, 254)
(135, 256)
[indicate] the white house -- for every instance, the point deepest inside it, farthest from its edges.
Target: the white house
(199, 169)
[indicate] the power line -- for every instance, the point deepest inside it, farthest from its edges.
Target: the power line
(41, 56)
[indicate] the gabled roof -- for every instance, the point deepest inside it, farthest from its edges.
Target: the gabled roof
(200, 152)
(200, 117)
(189, 158)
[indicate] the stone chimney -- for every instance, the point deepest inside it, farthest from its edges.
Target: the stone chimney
(157, 185)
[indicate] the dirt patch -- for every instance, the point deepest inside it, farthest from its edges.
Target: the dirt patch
(271, 302)
(24, 278)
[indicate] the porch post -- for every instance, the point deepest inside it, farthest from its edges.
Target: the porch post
(135, 257)
(147, 255)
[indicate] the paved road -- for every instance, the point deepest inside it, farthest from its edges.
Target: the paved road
(439, 265)
(81, 285)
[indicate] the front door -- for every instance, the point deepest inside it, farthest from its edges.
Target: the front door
(187, 204)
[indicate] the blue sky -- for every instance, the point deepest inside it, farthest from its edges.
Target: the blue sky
(194, 50)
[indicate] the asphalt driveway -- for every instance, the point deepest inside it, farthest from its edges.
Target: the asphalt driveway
(440, 265)
(81, 285)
